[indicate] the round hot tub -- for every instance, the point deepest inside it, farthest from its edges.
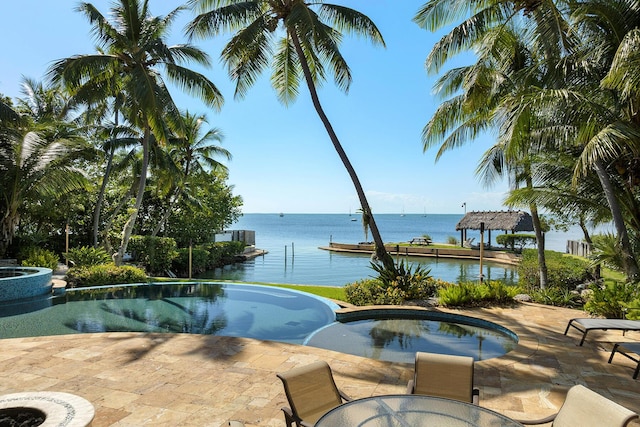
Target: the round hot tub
(395, 334)
(24, 282)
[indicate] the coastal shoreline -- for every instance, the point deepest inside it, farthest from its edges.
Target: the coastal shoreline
(426, 251)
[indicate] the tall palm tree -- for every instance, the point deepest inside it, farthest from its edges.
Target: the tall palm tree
(132, 54)
(37, 147)
(605, 111)
(300, 38)
(192, 153)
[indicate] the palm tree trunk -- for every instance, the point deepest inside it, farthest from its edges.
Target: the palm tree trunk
(166, 214)
(99, 202)
(537, 227)
(542, 261)
(381, 252)
(629, 261)
(128, 227)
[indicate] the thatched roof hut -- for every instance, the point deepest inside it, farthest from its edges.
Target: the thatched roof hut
(513, 221)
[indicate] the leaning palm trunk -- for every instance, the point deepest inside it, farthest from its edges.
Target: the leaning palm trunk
(173, 200)
(381, 252)
(131, 222)
(100, 201)
(629, 262)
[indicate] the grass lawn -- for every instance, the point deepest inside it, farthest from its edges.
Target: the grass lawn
(332, 292)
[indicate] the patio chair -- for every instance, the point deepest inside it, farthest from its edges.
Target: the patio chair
(444, 375)
(626, 349)
(585, 408)
(585, 325)
(311, 392)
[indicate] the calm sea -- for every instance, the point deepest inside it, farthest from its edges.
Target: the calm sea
(293, 242)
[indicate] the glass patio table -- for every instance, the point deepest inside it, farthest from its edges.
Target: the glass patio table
(410, 410)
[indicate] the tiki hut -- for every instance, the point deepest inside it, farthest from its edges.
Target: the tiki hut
(514, 221)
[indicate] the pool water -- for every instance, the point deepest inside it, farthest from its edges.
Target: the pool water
(398, 339)
(249, 311)
(254, 311)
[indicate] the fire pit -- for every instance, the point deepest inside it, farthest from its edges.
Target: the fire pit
(45, 409)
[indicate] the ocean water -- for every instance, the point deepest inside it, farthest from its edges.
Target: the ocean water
(293, 242)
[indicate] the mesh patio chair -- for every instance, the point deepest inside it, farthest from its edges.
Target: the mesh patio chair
(585, 408)
(311, 392)
(444, 375)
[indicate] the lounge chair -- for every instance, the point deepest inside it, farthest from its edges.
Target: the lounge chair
(625, 349)
(585, 325)
(586, 408)
(236, 424)
(444, 375)
(311, 392)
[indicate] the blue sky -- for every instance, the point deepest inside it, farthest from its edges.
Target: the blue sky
(283, 161)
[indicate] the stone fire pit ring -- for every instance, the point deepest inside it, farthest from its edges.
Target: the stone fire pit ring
(61, 409)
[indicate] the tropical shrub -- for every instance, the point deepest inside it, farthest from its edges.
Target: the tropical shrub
(372, 292)
(37, 257)
(612, 299)
(470, 293)
(607, 252)
(104, 274)
(87, 256)
(411, 280)
(557, 296)
(452, 240)
(456, 295)
(154, 253)
(563, 271)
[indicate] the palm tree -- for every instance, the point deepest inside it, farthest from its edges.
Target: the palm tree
(132, 54)
(605, 113)
(299, 37)
(191, 153)
(37, 148)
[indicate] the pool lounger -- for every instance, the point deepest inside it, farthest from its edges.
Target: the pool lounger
(585, 325)
(625, 349)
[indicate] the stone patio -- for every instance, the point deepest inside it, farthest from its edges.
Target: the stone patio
(138, 379)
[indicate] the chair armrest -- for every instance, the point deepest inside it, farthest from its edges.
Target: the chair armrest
(537, 422)
(410, 387)
(289, 419)
(475, 396)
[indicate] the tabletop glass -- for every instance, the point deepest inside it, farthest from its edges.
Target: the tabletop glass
(410, 410)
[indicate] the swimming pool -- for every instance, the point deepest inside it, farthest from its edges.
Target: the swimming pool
(254, 311)
(249, 311)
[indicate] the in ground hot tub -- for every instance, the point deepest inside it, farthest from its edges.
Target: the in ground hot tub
(24, 282)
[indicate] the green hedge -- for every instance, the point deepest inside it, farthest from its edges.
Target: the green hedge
(515, 241)
(105, 274)
(199, 261)
(563, 271)
(154, 253)
(206, 257)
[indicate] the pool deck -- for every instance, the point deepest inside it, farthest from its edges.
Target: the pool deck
(142, 379)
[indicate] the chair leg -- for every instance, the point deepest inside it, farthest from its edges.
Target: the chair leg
(615, 348)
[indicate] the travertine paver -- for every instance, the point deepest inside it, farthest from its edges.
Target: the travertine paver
(136, 379)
